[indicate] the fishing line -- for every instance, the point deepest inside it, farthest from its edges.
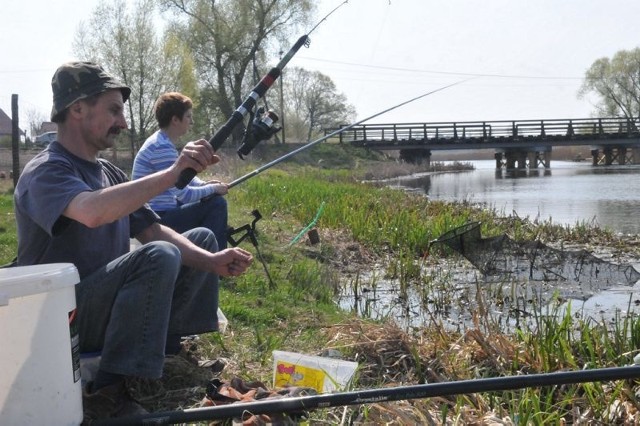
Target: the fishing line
(337, 132)
(327, 15)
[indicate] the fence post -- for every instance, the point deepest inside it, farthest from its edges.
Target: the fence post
(15, 139)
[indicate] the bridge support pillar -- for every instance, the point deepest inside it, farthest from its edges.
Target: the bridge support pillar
(621, 155)
(520, 160)
(537, 158)
(608, 156)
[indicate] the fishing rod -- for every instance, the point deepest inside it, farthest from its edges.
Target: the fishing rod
(261, 126)
(334, 133)
(369, 396)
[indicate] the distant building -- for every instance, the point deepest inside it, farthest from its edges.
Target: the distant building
(6, 129)
(6, 126)
(48, 126)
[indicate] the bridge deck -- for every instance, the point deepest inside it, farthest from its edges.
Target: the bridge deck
(523, 134)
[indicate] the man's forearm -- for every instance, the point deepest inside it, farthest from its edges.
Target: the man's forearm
(109, 204)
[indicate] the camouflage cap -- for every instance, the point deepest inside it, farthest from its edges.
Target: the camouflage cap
(78, 80)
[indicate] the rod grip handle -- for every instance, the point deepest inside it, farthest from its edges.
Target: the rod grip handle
(185, 177)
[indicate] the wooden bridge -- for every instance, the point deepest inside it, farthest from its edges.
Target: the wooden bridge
(517, 144)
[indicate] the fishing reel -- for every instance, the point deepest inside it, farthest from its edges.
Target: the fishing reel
(261, 127)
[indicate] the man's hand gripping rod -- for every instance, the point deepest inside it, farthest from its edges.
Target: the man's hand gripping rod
(238, 115)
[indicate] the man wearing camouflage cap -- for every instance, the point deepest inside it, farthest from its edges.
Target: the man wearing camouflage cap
(71, 206)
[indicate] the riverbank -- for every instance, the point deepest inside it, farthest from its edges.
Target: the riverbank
(364, 228)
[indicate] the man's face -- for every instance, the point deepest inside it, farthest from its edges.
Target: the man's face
(103, 121)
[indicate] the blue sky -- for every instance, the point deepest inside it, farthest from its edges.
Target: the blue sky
(528, 57)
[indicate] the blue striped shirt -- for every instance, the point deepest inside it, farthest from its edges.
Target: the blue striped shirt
(158, 153)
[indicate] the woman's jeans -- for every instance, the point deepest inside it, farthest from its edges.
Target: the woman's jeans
(210, 212)
(127, 308)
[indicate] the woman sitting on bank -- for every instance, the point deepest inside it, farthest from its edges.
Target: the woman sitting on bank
(200, 203)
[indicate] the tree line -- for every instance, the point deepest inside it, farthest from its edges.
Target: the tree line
(616, 84)
(215, 52)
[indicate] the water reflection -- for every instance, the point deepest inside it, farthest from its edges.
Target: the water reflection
(521, 173)
(459, 298)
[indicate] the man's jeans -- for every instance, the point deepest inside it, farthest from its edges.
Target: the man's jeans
(127, 308)
(210, 212)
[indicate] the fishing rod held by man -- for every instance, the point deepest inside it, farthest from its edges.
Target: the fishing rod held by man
(218, 139)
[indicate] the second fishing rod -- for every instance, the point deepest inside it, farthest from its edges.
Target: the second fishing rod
(330, 135)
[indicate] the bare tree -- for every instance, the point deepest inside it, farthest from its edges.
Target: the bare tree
(313, 103)
(35, 118)
(616, 82)
(126, 43)
(227, 37)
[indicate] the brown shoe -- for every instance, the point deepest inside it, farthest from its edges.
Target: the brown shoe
(108, 402)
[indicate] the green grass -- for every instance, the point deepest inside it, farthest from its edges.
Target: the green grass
(8, 233)
(398, 226)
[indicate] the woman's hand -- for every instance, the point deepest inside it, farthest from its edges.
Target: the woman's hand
(219, 188)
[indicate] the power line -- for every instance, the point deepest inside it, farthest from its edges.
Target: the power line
(459, 74)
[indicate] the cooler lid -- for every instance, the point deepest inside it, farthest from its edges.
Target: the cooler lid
(20, 281)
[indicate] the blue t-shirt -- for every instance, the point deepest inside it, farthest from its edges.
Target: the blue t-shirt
(158, 153)
(46, 186)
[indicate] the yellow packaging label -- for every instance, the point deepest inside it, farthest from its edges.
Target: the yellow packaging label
(288, 374)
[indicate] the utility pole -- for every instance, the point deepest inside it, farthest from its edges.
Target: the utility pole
(282, 114)
(15, 139)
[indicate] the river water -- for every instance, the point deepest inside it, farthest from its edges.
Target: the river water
(568, 193)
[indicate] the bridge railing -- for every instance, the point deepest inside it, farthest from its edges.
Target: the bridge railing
(484, 130)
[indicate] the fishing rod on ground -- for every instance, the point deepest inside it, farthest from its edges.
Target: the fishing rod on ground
(261, 125)
(369, 396)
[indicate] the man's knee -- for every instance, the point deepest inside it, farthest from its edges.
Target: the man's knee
(203, 238)
(163, 255)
